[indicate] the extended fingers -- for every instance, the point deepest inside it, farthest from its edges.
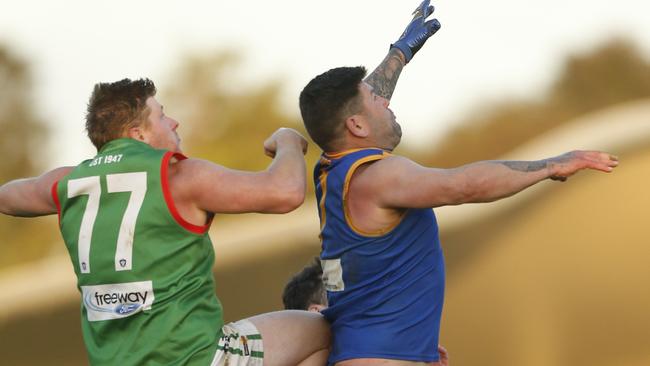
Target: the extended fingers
(423, 10)
(605, 158)
(269, 153)
(611, 158)
(600, 160)
(433, 26)
(429, 11)
(442, 350)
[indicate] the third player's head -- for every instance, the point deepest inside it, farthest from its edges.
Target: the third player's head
(341, 111)
(129, 108)
(305, 290)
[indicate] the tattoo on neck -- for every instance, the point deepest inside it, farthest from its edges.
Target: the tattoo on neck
(384, 78)
(525, 166)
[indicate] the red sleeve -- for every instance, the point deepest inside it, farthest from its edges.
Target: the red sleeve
(55, 197)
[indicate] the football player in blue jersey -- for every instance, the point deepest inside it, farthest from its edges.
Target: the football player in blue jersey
(383, 266)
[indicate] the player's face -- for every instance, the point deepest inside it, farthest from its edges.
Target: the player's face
(161, 131)
(385, 130)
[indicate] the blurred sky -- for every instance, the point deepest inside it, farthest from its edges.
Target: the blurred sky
(486, 50)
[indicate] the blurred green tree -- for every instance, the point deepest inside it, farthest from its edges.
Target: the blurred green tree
(613, 73)
(616, 72)
(222, 121)
(22, 134)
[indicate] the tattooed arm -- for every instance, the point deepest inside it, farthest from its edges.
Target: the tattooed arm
(397, 182)
(384, 78)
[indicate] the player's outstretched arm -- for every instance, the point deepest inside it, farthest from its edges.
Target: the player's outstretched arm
(278, 189)
(384, 78)
(31, 196)
(397, 182)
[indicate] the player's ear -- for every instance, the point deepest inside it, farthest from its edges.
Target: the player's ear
(316, 308)
(136, 133)
(357, 126)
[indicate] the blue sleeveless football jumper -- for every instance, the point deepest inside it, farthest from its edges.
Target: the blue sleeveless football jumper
(385, 289)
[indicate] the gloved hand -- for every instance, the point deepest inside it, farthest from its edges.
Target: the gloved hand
(418, 31)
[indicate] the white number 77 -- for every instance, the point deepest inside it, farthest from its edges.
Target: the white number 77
(136, 183)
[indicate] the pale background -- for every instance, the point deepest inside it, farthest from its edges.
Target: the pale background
(485, 49)
(555, 276)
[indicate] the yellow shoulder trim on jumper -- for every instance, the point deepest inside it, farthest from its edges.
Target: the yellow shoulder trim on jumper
(346, 185)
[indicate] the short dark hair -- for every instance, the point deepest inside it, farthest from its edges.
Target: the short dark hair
(115, 107)
(305, 288)
(327, 100)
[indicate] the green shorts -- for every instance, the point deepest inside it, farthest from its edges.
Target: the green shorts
(240, 345)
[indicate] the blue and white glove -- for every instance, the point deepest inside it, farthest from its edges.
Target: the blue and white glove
(418, 31)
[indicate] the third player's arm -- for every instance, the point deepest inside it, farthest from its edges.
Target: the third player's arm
(397, 182)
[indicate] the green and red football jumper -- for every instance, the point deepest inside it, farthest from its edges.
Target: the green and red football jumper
(144, 273)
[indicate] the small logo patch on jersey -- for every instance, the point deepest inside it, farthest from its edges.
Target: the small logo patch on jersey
(332, 274)
(118, 300)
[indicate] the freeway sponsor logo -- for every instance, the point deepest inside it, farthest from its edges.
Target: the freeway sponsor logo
(117, 300)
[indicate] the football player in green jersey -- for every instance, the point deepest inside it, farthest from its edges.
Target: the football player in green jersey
(135, 221)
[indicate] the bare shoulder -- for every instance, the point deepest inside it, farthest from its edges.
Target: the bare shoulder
(384, 171)
(47, 179)
(189, 164)
(371, 181)
(397, 182)
(62, 171)
(192, 168)
(190, 178)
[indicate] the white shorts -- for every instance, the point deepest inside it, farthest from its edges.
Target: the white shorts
(240, 345)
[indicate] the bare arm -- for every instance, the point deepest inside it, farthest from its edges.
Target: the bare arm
(397, 182)
(30, 197)
(384, 78)
(278, 189)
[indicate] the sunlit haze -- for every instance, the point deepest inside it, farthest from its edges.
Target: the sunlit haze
(486, 50)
